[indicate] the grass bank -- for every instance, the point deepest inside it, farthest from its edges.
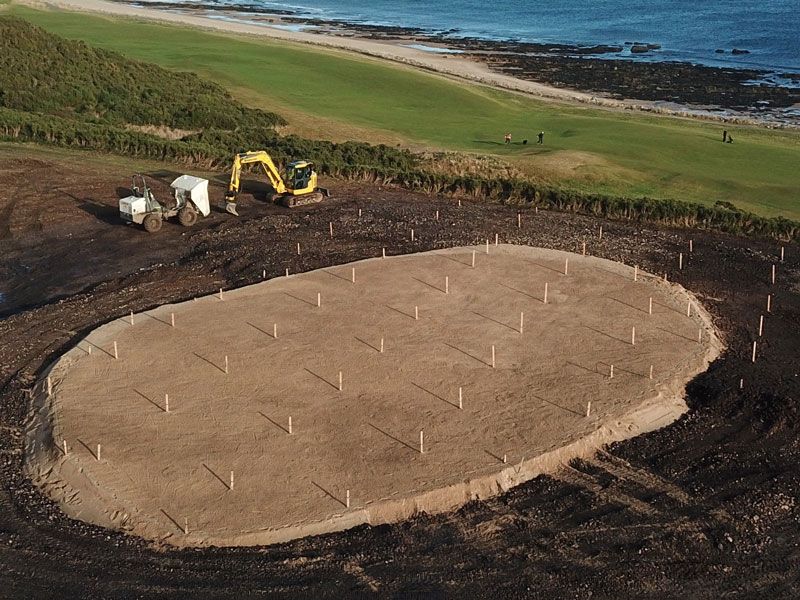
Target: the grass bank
(591, 150)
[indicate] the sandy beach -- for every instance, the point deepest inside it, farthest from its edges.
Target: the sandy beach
(448, 65)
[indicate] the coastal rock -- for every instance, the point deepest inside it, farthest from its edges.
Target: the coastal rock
(719, 51)
(739, 51)
(654, 46)
(639, 49)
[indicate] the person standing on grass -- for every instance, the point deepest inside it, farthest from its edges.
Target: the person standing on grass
(541, 138)
(724, 136)
(508, 138)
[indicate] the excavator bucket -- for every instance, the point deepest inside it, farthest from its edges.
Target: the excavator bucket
(231, 208)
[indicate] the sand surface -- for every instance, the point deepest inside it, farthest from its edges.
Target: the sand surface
(159, 471)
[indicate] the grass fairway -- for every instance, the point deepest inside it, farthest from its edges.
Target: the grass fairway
(330, 94)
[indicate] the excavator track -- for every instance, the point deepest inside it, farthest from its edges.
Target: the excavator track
(303, 200)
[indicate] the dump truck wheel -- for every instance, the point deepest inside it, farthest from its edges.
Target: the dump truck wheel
(152, 223)
(187, 216)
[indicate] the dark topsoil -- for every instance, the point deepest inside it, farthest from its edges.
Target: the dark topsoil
(705, 508)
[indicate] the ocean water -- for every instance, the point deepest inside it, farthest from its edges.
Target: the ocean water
(688, 31)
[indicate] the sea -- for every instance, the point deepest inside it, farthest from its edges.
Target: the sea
(687, 30)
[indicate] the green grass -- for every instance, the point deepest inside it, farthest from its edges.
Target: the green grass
(335, 95)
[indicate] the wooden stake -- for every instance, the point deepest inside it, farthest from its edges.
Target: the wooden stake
(601, 232)
(633, 336)
(132, 316)
(741, 384)
(347, 493)
(185, 526)
(584, 248)
(437, 215)
(97, 456)
(588, 409)
(769, 302)
(287, 271)
(487, 246)
(416, 313)
(460, 399)
(459, 202)
(49, 386)
(319, 300)
(650, 308)
(566, 266)
(384, 253)
(651, 371)
(226, 364)
(166, 402)
(665, 277)
(493, 357)
(521, 321)
(782, 253)
(421, 442)
(89, 349)
(298, 248)
(275, 331)
(691, 246)
(359, 213)
(446, 285)
(231, 486)
(680, 261)
(381, 345)
(700, 336)
(519, 220)
(116, 354)
(340, 381)
(689, 309)
(65, 447)
(353, 275)
(220, 293)
(545, 293)
(330, 227)
(412, 235)
(473, 259)
(754, 352)
(496, 239)
(773, 283)
(636, 273)
(290, 425)
(172, 319)
(263, 273)
(611, 373)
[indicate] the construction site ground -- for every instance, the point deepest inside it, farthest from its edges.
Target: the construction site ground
(705, 507)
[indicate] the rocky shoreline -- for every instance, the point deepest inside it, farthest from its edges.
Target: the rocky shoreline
(626, 72)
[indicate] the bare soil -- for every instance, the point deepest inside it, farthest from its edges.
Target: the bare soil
(704, 508)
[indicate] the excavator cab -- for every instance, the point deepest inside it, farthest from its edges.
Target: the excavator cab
(301, 177)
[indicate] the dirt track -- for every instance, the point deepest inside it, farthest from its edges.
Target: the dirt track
(704, 508)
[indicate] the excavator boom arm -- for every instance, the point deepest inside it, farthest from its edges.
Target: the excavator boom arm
(262, 158)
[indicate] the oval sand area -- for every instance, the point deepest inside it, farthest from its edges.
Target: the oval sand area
(221, 466)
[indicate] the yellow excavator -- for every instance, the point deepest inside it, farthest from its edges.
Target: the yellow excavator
(298, 189)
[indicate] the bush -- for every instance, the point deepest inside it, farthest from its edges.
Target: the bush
(44, 73)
